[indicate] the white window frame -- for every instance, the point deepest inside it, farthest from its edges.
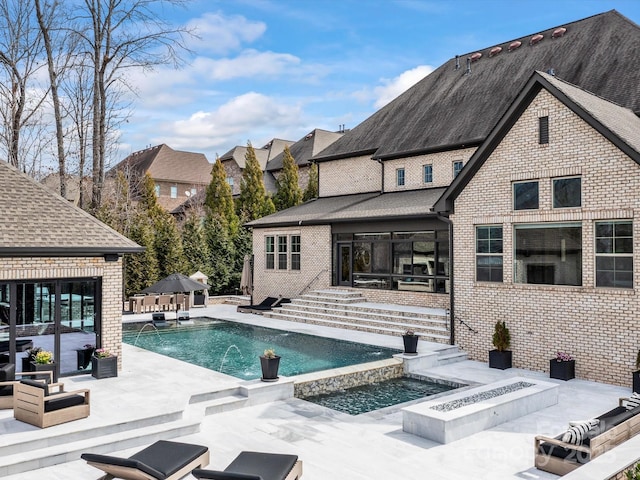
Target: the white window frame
(270, 253)
(489, 254)
(614, 255)
(400, 172)
(296, 253)
(283, 253)
(174, 191)
(424, 173)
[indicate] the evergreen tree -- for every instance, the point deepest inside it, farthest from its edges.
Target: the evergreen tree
(168, 245)
(289, 193)
(148, 201)
(219, 199)
(141, 269)
(253, 202)
(221, 254)
(194, 244)
(311, 191)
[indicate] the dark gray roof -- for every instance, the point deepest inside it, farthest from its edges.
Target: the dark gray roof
(618, 124)
(449, 109)
(305, 148)
(37, 222)
(364, 206)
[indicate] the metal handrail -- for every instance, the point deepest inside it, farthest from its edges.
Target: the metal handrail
(313, 280)
(467, 325)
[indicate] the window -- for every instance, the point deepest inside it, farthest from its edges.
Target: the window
(489, 254)
(614, 254)
(194, 191)
(400, 177)
(525, 196)
(567, 192)
(156, 189)
(230, 181)
(269, 252)
(174, 192)
(543, 130)
(295, 252)
(549, 254)
(427, 173)
(457, 166)
(282, 253)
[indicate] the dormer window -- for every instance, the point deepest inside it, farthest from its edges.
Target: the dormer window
(400, 177)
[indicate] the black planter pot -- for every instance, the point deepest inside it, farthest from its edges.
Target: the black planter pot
(410, 344)
(104, 367)
(26, 364)
(500, 359)
(562, 370)
(269, 368)
(636, 381)
(44, 367)
(84, 357)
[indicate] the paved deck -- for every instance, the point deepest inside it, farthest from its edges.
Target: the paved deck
(331, 444)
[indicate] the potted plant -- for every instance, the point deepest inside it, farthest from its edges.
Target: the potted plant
(636, 375)
(43, 362)
(104, 364)
(269, 362)
(84, 355)
(500, 357)
(563, 367)
(410, 340)
(27, 360)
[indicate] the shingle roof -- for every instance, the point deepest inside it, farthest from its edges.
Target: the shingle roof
(164, 163)
(618, 124)
(305, 148)
(39, 222)
(364, 206)
(264, 154)
(448, 108)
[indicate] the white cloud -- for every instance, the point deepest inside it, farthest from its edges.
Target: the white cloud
(220, 34)
(250, 63)
(394, 87)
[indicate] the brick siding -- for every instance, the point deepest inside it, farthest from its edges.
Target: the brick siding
(348, 176)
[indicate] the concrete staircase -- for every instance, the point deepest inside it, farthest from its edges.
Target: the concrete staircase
(350, 310)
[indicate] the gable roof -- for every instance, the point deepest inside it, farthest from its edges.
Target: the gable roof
(358, 207)
(163, 163)
(450, 109)
(271, 149)
(618, 124)
(37, 222)
(305, 148)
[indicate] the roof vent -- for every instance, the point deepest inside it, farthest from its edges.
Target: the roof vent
(495, 51)
(535, 39)
(514, 45)
(552, 72)
(475, 57)
(308, 136)
(468, 71)
(558, 32)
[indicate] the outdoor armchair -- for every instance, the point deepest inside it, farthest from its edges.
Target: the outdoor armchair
(256, 466)
(8, 381)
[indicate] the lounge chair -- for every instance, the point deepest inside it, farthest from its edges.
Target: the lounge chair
(163, 460)
(256, 466)
(266, 305)
(33, 403)
(8, 381)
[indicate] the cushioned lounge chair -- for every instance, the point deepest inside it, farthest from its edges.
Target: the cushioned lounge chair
(163, 460)
(266, 305)
(8, 381)
(256, 466)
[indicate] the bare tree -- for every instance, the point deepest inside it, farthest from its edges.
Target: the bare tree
(122, 35)
(20, 96)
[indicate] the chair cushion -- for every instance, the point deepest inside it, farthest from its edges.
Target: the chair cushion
(35, 383)
(568, 454)
(7, 372)
(578, 429)
(267, 466)
(632, 402)
(6, 390)
(66, 402)
(169, 457)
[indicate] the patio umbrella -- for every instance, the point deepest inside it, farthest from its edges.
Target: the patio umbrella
(246, 280)
(175, 283)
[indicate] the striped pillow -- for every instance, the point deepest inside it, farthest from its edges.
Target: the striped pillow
(577, 430)
(632, 402)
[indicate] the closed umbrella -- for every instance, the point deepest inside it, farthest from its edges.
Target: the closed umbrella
(246, 280)
(175, 283)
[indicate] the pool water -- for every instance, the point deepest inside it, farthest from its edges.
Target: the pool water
(233, 348)
(375, 396)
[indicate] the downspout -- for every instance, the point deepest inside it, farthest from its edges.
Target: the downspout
(452, 323)
(381, 174)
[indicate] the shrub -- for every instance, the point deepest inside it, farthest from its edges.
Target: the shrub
(501, 336)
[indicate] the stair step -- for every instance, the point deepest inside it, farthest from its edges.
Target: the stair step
(452, 358)
(362, 314)
(103, 444)
(225, 404)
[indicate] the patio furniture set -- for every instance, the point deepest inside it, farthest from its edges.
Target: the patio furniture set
(158, 303)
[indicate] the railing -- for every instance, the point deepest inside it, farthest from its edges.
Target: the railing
(313, 280)
(467, 325)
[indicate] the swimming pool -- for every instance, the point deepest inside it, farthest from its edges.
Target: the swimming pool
(233, 348)
(374, 396)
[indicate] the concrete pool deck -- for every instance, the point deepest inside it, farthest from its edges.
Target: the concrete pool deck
(330, 444)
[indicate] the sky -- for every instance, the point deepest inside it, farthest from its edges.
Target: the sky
(264, 69)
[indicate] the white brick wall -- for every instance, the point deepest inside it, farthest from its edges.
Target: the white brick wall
(347, 176)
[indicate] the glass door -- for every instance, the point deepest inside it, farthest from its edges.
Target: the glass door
(77, 326)
(344, 264)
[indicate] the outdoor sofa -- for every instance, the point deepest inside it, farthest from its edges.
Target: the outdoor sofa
(560, 457)
(33, 403)
(162, 460)
(256, 466)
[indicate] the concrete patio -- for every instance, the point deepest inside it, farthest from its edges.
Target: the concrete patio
(152, 394)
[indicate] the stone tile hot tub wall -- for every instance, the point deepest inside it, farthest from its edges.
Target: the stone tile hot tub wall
(328, 381)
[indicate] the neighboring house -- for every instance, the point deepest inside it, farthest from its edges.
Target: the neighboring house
(177, 175)
(72, 184)
(302, 151)
(234, 161)
(374, 225)
(60, 275)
